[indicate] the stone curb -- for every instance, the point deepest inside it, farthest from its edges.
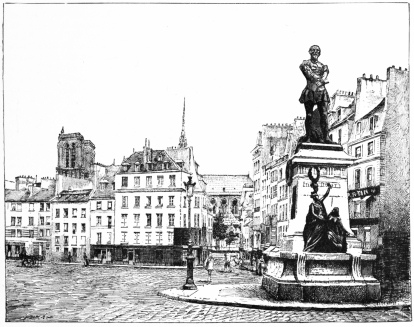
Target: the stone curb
(125, 266)
(234, 302)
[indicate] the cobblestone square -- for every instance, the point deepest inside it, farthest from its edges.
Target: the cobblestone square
(72, 293)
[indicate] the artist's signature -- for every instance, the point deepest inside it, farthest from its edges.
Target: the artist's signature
(323, 184)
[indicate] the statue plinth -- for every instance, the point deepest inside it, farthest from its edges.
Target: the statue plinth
(312, 276)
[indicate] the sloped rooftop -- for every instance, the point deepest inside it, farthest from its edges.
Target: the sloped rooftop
(73, 196)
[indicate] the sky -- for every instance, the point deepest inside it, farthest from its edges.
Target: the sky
(118, 74)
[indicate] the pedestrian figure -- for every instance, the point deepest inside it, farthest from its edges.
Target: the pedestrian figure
(69, 257)
(109, 259)
(85, 259)
(209, 266)
(261, 266)
(226, 263)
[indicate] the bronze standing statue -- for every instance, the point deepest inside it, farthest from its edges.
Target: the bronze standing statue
(315, 93)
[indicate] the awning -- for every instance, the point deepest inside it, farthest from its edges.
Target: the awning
(365, 198)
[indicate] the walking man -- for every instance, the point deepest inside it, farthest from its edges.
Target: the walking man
(85, 259)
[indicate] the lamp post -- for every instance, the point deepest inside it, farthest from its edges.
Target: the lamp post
(189, 283)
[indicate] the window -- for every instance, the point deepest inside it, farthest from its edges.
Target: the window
(158, 238)
(159, 201)
(358, 128)
(47, 220)
(159, 219)
(338, 114)
(185, 202)
(171, 200)
(57, 227)
(358, 152)
(42, 206)
(31, 219)
(148, 202)
(170, 237)
(357, 178)
(109, 238)
(109, 205)
(373, 123)
(74, 228)
(136, 237)
(98, 220)
(339, 136)
(13, 221)
(137, 167)
(136, 219)
(12, 233)
(66, 227)
(74, 212)
(83, 240)
(147, 238)
(41, 221)
(148, 219)
(125, 202)
(47, 206)
(369, 176)
(73, 156)
(172, 180)
(65, 213)
(57, 215)
(123, 237)
(197, 220)
(171, 218)
(124, 181)
(196, 202)
(57, 240)
(83, 213)
(41, 233)
(66, 240)
(160, 181)
(124, 218)
(137, 202)
(370, 148)
(31, 233)
(149, 181)
(109, 222)
(98, 238)
(83, 228)
(137, 182)
(185, 220)
(98, 205)
(31, 206)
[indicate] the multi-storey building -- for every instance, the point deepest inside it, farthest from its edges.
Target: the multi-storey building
(29, 216)
(341, 116)
(71, 224)
(103, 215)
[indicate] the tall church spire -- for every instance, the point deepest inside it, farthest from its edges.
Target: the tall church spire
(183, 140)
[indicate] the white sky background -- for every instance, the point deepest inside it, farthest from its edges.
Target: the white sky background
(118, 74)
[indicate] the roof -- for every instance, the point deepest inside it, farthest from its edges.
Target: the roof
(378, 108)
(39, 195)
(343, 120)
(230, 183)
(106, 181)
(138, 157)
(73, 196)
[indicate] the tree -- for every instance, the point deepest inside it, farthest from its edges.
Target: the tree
(219, 228)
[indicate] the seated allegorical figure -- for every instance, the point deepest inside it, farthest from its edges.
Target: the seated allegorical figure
(323, 233)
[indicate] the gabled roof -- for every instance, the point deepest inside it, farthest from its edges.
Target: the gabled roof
(44, 195)
(16, 196)
(73, 196)
(232, 184)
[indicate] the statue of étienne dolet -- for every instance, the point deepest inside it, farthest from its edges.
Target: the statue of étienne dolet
(323, 233)
(315, 93)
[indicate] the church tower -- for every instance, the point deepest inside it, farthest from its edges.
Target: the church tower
(183, 140)
(76, 156)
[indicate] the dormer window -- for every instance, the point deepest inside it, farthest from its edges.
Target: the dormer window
(373, 122)
(137, 167)
(338, 114)
(358, 128)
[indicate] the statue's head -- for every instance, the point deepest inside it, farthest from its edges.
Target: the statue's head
(315, 52)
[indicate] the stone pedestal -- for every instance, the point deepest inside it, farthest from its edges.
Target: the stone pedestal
(319, 277)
